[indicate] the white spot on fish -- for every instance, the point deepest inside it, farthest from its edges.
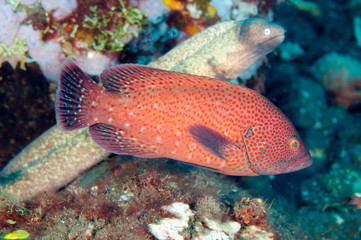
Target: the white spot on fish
(223, 164)
(131, 114)
(178, 134)
(93, 103)
(110, 120)
(155, 105)
(127, 124)
(177, 143)
(96, 119)
(159, 139)
(142, 129)
(110, 109)
(187, 107)
(189, 156)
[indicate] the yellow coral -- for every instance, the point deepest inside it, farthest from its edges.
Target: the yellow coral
(14, 54)
(211, 11)
(18, 234)
(173, 4)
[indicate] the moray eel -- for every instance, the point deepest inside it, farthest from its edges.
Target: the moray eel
(232, 47)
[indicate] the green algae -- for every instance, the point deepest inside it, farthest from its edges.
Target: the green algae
(111, 27)
(15, 53)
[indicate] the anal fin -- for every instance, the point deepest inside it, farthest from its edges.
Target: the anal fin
(117, 141)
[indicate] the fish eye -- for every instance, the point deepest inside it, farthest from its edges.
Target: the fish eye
(293, 143)
(267, 31)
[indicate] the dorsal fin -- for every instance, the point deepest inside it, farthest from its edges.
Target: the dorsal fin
(126, 78)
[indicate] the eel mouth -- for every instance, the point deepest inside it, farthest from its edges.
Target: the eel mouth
(273, 41)
(268, 45)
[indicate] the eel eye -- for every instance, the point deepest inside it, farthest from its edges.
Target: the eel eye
(294, 143)
(267, 31)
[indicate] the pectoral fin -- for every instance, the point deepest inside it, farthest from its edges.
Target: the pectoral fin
(212, 140)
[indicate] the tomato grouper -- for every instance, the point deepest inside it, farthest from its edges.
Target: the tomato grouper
(151, 113)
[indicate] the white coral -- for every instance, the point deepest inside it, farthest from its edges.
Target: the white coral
(170, 228)
(234, 9)
(60, 8)
(215, 229)
(181, 210)
(9, 24)
(253, 232)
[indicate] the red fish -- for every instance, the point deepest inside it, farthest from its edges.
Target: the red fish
(151, 113)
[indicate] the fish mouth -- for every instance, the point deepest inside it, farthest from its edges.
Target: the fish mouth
(302, 163)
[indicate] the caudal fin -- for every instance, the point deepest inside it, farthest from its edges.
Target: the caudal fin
(75, 94)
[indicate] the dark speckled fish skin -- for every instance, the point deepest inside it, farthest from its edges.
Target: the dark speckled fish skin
(148, 112)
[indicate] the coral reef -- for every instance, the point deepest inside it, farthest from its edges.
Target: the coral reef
(92, 32)
(120, 197)
(95, 205)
